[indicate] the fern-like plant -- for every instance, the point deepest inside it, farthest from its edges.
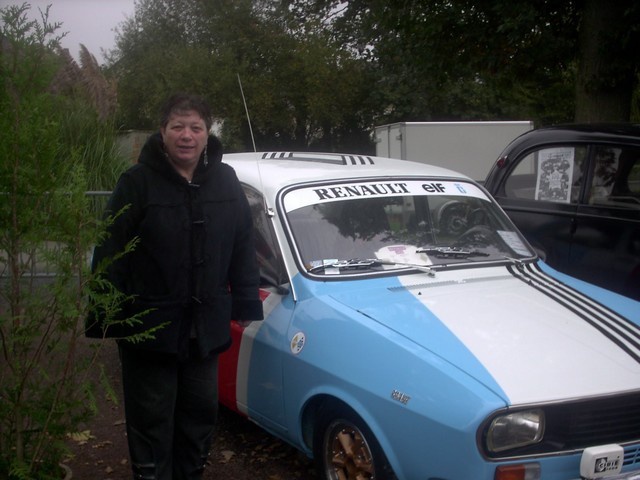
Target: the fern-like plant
(49, 141)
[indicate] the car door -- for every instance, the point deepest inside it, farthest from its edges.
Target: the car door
(606, 242)
(540, 193)
(250, 371)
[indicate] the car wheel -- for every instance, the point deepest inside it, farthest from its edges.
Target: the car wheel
(346, 449)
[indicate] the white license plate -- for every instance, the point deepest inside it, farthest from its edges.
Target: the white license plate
(602, 462)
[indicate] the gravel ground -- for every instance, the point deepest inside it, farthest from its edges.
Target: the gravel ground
(241, 451)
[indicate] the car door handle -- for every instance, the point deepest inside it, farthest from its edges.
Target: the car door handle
(574, 225)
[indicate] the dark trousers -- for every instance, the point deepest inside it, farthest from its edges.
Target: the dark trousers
(171, 408)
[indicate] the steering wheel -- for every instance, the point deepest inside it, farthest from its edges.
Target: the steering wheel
(476, 235)
(453, 218)
(477, 216)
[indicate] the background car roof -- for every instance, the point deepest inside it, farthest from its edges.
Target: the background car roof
(271, 171)
(623, 133)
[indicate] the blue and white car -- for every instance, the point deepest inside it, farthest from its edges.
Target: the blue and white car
(411, 332)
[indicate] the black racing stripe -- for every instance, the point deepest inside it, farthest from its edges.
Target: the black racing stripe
(595, 312)
(621, 325)
(606, 312)
(617, 322)
(617, 328)
(577, 309)
(357, 160)
(574, 301)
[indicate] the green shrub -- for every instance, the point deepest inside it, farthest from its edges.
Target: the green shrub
(53, 148)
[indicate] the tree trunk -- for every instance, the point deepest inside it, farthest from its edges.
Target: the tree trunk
(607, 61)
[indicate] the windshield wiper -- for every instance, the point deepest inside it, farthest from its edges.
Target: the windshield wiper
(518, 262)
(351, 264)
(451, 252)
(359, 263)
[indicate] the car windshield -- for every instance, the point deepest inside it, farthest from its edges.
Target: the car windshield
(347, 228)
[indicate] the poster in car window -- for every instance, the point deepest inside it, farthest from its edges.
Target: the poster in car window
(555, 171)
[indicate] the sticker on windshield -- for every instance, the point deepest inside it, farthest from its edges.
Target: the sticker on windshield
(514, 242)
(302, 197)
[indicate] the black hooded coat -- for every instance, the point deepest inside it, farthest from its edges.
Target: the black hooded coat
(194, 266)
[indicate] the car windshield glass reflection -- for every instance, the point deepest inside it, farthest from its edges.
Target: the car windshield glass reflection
(401, 232)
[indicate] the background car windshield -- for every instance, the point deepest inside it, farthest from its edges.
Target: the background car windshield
(426, 229)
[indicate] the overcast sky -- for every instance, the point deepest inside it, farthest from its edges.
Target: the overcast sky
(90, 22)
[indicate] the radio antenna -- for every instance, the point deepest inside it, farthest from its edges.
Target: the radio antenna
(247, 112)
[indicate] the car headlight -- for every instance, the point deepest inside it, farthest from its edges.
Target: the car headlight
(517, 429)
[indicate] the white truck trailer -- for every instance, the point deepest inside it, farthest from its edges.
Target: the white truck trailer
(470, 148)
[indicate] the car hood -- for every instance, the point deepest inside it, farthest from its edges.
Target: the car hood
(526, 336)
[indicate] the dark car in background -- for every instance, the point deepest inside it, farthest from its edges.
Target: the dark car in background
(574, 192)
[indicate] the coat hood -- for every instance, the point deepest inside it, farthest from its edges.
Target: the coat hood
(153, 155)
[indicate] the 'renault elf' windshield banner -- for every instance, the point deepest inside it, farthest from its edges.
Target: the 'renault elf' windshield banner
(302, 197)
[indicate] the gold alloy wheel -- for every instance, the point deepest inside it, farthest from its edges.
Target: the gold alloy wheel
(348, 455)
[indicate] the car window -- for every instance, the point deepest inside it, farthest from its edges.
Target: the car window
(616, 178)
(268, 253)
(548, 175)
(414, 222)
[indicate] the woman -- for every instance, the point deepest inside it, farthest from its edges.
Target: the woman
(193, 268)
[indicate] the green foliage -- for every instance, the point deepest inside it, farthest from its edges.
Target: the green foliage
(43, 380)
(462, 59)
(302, 91)
(46, 219)
(322, 74)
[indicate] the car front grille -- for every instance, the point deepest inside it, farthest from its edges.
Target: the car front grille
(596, 422)
(580, 424)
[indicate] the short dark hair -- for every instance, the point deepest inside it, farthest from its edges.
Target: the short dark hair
(183, 102)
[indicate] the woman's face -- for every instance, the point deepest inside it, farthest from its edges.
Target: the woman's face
(185, 137)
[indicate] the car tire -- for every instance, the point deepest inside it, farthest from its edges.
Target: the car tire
(346, 449)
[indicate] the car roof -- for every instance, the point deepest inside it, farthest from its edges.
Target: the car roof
(621, 133)
(272, 171)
